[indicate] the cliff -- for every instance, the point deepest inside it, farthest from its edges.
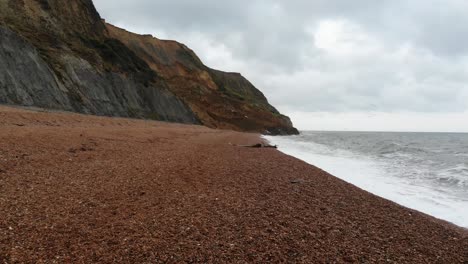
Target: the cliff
(64, 56)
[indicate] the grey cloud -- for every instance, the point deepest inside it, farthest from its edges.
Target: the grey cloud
(389, 55)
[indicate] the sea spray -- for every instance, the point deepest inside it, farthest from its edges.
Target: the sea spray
(427, 172)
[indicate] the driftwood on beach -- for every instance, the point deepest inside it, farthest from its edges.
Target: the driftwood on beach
(259, 145)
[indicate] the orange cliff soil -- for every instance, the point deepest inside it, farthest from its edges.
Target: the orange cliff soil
(93, 67)
(220, 99)
(84, 189)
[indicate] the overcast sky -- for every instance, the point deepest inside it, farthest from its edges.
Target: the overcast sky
(329, 64)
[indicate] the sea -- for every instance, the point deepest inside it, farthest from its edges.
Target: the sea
(427, 172)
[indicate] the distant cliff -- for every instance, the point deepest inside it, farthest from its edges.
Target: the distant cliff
(64, 56)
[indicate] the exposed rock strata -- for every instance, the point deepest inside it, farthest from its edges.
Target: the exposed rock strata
(64, 56)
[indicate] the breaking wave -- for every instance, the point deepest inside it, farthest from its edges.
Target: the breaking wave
(423, 171)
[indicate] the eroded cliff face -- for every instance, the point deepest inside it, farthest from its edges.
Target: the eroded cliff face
(55, 54)
(220, 99)
(62, 55)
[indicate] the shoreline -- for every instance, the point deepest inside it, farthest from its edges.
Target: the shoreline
(390, 190)
(77, 188)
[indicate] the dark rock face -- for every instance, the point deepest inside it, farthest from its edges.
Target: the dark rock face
(64, 56)
(57, 56)
(26, 79)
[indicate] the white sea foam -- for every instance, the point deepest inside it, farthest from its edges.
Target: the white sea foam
(389, 178)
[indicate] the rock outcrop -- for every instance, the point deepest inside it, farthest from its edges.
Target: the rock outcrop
(65, 57)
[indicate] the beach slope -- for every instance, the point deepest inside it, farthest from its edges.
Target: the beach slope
(82, 189)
